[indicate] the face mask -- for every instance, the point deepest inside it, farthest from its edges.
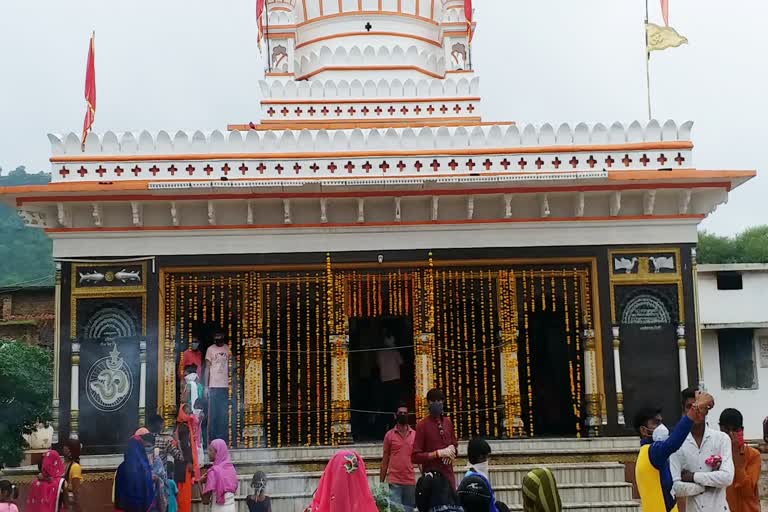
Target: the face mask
(194, 346)
(483, 468)
(402, 419)
(389, 341)
(660, 433)
(436, 408)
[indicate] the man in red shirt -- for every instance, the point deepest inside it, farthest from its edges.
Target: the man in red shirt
(435, 446)
(192, 357)
(398, 446)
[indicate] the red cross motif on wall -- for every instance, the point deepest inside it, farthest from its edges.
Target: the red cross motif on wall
(443, 109)
(338, 111)
(505, 164)
(271, 111)
(352, 111)
(244, 168)
(401, 166)
(384, 166)
(470, 108)
(430, 109)
(314, 167)
(208, 169)
(311, 111)
(225, 169)
(644, 160)
(556, 162)
(171, 170)
(367, 166)
(154, 170)
(435, 165)
(539, 163)
(391, 110)
(279, 168)
(471, 165)
(296, 168)
(662, 159)
(332, 167)
(378, 111)
(609, 161)
(136, 170)
(680, 159)
(457, 108)
(418, 165)
(298, 111)
(522, 163)
(261, 168)
(417, 110)
(349, 167)
(190, 169)
(626, 160)
(285, 111)
(365, 111)
(574, 162)
(324, 111)
(119, 170)
(82, 171)
(592, 162)
(487, 164)
(64, 172)
(404, 110)
(453, 164)
(101, 171)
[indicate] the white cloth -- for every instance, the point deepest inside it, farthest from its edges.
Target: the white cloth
(229, 504)
(193, 392)
(707, 494)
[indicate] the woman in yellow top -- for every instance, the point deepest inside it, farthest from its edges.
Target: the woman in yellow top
(73, 475)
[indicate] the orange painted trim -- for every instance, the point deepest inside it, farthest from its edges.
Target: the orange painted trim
(304, 2)
(282, 27)
(372, 33)
(351, 124)
(275, 73)
(401, 121)
(165, 196)
(359, 5)
(379, 12)
(455, 33)
(457, 71)
(418, 8)
(381, 6)
(280, 8)
(638, 146)
(370, 68)
(400, 6)
(322, 101)
(376, 224)
(341, 7)
(321, 8)
(280, 35)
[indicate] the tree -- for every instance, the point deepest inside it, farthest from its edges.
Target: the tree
(749, 246)
(25, 396)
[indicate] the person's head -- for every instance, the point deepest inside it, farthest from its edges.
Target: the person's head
(435, 399)
(540, 491)
(8, 491)
(218, 451)
(433, 490)
(474, 494)
(156, 423)
(688, 399)
(478, 450)
(186, 408)
(146, 438)
(732, 423)
(219, 339)
(190, 369)
(194, 343)
(259, 483)
(647, 420)
(200, 404)
(401, 415)
(71, 450)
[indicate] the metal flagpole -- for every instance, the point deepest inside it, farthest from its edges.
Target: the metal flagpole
(266, 36)
(647, 63)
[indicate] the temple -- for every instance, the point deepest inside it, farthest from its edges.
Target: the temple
(541, 275)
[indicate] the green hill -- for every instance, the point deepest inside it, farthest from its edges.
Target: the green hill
(25, 253)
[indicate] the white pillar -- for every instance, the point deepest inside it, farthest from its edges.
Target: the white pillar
(74, 400)
(681, 352)
(617, 375)
(142, 381)
(56, 352)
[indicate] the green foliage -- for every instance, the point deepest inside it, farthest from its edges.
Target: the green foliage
(25, 253)
(25, 395)
(383, 502)
(749, 246)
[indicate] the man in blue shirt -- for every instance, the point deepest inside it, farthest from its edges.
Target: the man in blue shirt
(654, 480)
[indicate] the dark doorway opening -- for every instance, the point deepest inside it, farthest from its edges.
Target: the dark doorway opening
(379, 347)
(553, 359)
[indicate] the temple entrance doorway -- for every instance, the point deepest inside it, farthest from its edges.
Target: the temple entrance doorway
(381, 373)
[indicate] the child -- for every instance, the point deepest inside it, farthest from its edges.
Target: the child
(259, 502)
(8, 493)
(172, 489)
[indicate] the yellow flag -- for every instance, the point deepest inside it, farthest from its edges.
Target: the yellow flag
(661, 38)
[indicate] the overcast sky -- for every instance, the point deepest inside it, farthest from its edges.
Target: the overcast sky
(169, 64)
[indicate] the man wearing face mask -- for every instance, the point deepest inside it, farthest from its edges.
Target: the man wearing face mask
(652, 472)
(396, 465)
(435, 446)
(742, 495)
(216, 380)
(191, 357)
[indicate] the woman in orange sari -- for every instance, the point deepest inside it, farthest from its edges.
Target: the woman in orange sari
(187, 474)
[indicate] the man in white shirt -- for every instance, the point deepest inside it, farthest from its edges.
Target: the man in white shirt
(703, 468)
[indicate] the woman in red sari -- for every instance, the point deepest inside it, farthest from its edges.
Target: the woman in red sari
(187, 474)
(45, 492)
(344, 486)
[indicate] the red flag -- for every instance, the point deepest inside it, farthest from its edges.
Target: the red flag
(665, 11)
(259, 21)
(90, 89)
(468, 16)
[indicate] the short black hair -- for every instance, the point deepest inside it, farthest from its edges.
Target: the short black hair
(155, 423)
(435, 395)
(402, 405)
(732, 418)
(190, 368)
(643, 416)
(502, 507)
(687, 394)
(478, 450)
(6, 487)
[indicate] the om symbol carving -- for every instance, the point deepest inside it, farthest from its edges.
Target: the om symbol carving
(109, 382)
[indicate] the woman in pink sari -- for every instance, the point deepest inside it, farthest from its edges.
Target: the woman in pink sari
(344, 486)
(45, 492)
(220, 482)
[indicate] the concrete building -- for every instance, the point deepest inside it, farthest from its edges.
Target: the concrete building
(734, 322)
(27, 314)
